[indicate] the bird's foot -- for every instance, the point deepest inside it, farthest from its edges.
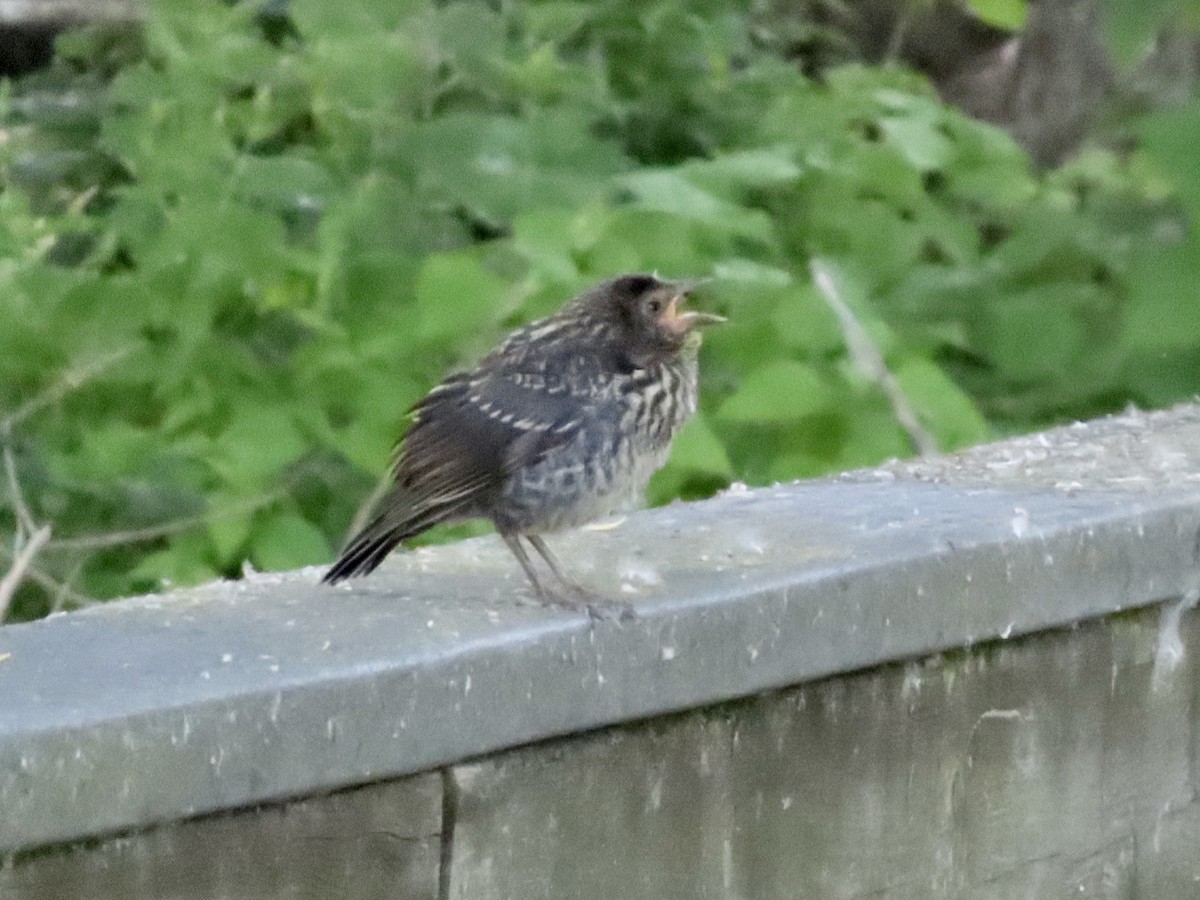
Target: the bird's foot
(597, 606)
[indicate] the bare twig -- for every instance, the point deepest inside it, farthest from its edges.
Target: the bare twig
(70, 380)
(166, 529)
(20, 508)
(81, 200)
(21, 561)
(51, 584)
(28, 539)
(869, 360)
(65, 591)
(131, 536)
(896, 38)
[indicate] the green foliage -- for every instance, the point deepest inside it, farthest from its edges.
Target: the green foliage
(1009, 14)
(1133, 27)
(256, 241)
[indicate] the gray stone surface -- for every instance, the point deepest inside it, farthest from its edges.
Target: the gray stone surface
(382, 841)
(1058, 766)
(1137, 452)
(228, 695)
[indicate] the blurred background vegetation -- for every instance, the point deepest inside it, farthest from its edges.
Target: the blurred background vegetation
(238, 240)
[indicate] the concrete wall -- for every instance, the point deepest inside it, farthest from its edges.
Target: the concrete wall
(972, 676)
(1060, 765)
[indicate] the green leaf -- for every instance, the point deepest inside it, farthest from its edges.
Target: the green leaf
(546, 237)
(778, 391)
(1164, 313)
(228, 535)
(259, 441)
(1035, 334)
(115, 448)
(1007, 14)
(1170, 137)
(730, 173)
(281, 182)
(872, 435)
(988, 167)
(752, 275)
(1133, 28)
(453, 289)
(471, 34)
(314, 17)
(803, 320)
(557, 20)
(668, 191)
(941, 405)
(495, 164)
(629, 240)
(285, 540)
(185, 562)
(697, 448)
(920, 141)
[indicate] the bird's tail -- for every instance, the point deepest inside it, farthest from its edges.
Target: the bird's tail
(398, 520)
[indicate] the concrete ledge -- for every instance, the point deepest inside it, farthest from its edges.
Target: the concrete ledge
(159, 708)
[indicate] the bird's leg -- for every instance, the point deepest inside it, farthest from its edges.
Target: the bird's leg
(539, 545)
(579, 597)
(597, 605)
(514, 544)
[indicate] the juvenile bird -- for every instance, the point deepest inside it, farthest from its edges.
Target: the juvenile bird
(564, 422)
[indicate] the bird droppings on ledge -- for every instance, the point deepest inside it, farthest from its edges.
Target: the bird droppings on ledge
(752, 541)
(735, 489)
(636, 574)
(607, 525)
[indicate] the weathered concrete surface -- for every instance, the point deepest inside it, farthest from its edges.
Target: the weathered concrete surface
(1138, 453)
(382, 841)
(1061, 766)
(160, 708)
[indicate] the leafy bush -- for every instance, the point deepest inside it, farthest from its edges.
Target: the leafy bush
(249, 242)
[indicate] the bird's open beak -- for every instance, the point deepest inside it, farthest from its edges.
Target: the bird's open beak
(680, 320)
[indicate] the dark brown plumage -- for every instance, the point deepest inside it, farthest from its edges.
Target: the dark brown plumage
(562, 423)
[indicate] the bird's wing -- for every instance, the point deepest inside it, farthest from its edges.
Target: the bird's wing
(467, 436)
(473, 430)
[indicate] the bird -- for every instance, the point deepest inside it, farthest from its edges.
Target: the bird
(562, 423)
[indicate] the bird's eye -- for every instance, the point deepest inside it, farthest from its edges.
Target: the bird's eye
(654, 306)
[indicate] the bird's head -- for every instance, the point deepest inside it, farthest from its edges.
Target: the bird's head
(648, 312)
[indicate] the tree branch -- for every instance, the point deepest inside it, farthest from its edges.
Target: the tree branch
(61, 591)
(867, 357)
(165, 529)
(21, 561)
(70, 380)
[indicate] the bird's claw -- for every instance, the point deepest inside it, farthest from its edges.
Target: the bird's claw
(611, 609)
(597, 606)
